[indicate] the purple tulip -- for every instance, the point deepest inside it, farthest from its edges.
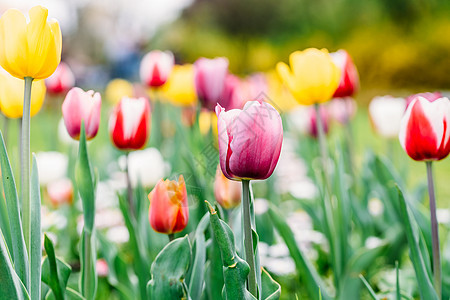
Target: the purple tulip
(209, 79)
(249, 140)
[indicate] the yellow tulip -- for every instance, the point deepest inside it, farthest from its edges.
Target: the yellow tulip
(206, 119)
(313, 77)
(11, 95)
(180, 88)
(29, 49)
(117, 89)
(279, 94)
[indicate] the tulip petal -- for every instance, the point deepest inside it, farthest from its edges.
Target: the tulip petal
(12, 39)
(39, 38)
(162, 213)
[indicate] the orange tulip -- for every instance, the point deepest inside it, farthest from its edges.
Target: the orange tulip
(168, 212)
(226, 191)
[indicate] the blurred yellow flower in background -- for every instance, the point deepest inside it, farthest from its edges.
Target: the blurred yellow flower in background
(117, 89)
(206, 119)
(279, 94)
(11, 95)
(312, 78)
(29, 49)
(180, 88)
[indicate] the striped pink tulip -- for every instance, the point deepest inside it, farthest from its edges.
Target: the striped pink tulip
(156, 67)
(209, 78)
(249, 140)
(82, 106)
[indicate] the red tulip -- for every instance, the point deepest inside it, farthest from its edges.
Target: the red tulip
(156, 67)
(424, 132)
(349, 82)
(249, 140)
(209, 80)
(429, 96)
(81, 106)
(61, 80)
(226, 192)
(168, 212)
(129, 124)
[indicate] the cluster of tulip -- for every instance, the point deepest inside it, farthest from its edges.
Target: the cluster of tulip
(249, 135)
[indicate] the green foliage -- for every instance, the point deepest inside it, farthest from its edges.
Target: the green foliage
(169, 271)
(35, 234)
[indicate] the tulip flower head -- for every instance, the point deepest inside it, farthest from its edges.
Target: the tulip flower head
(349, 82)
(429, 96)
(424, 132)
(168, 212)
(29, 48)
(156, 67)
(312, 78)
(61, 81)
(342, 109)
(129, 124)
(11, 95)
(209, 78)
(386, 113)
(249, 140)
(227, 192)
(81, 106)
(232, 95)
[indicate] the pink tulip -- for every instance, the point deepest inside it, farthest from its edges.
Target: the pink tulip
(61, 80)
(81, 106)
(129, 124)
(156, 67)
(325, 117)
(60, 192)
(342, 109)
(232, 93)
(209, 80)
(349, 82)
(429, 96)
(424, 132)
(249, 140)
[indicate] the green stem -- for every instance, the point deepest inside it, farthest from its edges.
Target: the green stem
(25, 166)
(87, 264)
(171, 237)
(322, 147)
(248, 240)
(434, 232)
(129, 187)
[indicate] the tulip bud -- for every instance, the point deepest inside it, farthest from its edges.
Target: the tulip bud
(385, 115)
(209, 78)
(11, 95)
(249, 140)
(349, 82)
(227, 192)
(61, 81)
(156, 67)
(424, 132)
(129, 124)
(168, 212)
(429, 96)
(82, 106)
(29, 48)
(60, 192)
(312, 78)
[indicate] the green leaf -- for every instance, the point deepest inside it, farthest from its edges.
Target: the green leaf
(425, 287)
(10, 285)
(19, 251)
(369, 288)
(73, 295)
(235, 269)
(397, 282)
(4, 220)
(88, 258)
(50, 274)
(35, 236)
(304, 268)
(169, 270)
(85, 182)
(271, 290)
(196, 279)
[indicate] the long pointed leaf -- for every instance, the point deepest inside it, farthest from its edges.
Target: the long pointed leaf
(55, 283)
(19, 252)
(425, 286)
(304, 267)
(35, 242)
(4, 220)
(197, 274)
